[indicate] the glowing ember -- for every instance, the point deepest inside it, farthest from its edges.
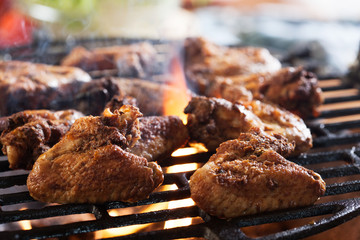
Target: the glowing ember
(25, 224)
(182, 168)
(177, 97)
(121, 231)
(179, 222)
(189, 150)
(184, 152)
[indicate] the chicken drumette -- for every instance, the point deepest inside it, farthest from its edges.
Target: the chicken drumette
(30, 133)
(90, 165)
(246, 176)
(212, 121)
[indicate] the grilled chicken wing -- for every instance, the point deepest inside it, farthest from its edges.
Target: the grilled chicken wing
(250, 73)
(135, 60)
(160, 136)
(245, 177)
(30, 133)
(205, 59)
(93, 96)
(25, 85)
(291, 88)
(259, 140)
(90, 165)
(212, 121)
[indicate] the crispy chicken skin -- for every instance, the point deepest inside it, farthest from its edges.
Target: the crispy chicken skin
(243, 178)
(159, 137)
(135, 60)
(258, 140)
(205, 59)
(30, 133)
(25, 85)
(291, 88)
(212, 121)
(90, 165)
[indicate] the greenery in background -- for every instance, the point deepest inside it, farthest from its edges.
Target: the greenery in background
(71, 7)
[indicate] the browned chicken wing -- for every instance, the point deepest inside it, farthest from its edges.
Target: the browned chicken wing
(245, 177)
(250, 73)
(205, 59)
(212, 121)
(90, 165)
(25, 85)
(136, 60)
(93, 96)
(259, 140)
(291, 88)
(160, 135)
(30, 133)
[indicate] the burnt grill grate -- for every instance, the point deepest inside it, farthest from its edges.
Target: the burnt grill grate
(335, 156)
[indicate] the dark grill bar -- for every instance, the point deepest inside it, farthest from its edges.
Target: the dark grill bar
(335, 156)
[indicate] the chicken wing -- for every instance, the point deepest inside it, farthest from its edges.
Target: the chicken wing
(245, 177)
(30, 133)
(212, 121)
(25, 85)
(159, 137)
(250, 73)
(135, 60)
(90, 165)
(291, 88)
(93, 96)
(205, 59)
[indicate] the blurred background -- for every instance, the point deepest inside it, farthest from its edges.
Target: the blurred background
(325, 33)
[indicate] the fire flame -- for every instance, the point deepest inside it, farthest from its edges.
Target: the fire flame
(176, 97)
(25, 224)
(179, 222)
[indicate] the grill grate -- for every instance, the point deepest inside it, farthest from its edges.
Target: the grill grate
(335, 156)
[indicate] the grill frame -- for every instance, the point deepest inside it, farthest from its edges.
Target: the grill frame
(326, 136)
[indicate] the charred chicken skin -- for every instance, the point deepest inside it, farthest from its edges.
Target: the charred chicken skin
(30, 133)
(135, 60)
(246, 177)
(25, 85)
(90, 165)
(212, 121)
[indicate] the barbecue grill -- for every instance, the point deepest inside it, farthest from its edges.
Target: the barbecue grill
(335, 156)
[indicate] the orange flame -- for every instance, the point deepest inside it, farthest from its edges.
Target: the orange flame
(25, 224)
(176, 97)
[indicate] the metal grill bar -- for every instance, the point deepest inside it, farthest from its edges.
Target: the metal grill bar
(341, 99)
(342, 125)
(340, 112)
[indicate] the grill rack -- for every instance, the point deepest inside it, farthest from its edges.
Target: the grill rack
(326, 135)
